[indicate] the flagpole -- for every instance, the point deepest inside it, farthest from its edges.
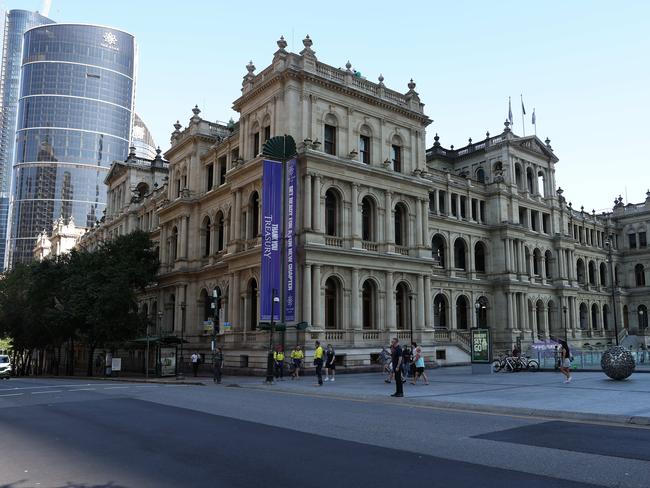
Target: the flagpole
(523, 112)
(534, 122)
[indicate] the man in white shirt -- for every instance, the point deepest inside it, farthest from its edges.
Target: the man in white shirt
(196, 359)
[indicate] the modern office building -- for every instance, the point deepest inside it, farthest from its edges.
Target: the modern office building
(142, 140)
(15, 23)
(75, 117)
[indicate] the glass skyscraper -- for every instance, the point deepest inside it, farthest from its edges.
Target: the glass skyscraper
(74, 119)
(15, 23)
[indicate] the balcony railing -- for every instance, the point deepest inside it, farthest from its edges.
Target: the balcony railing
(402, 250)
(333, 241)
(370, 246)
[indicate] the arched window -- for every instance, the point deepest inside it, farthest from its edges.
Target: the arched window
(440, 311)
(170, 312)
(401, 225)
(527, 260)
(204, 303)
(518, 177)
(594, 316)
(603, 274)
(252, 304)
(548, 262)
(551, 314)
(173, 244)
(479, 257)
(332, 293)
(368, 219)
(462, 308)
(460, 250)
(480, 175)
(541, 183)
(255, 215)
(605, 317)
(537, 258)
(639, 275)
(530, 185)
(580, 271)
(592, 273)
(584, 319)
(220, 230)
(369, 305)
(626, 317)
(205, 237)
(438, 250)
(482, 312)
(643, 317)
(540, 311)
(331, 213)
(401, 306)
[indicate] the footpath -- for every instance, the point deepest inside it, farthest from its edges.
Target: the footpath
(591, 396)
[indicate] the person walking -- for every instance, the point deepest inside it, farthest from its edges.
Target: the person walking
(330, 365)
(297, 355)
(196, 359)
(406, 363)
(396, 355)
(218, 365)
(386, 360)
(419, 364)
(318, 362)
(565, 360)
(278, 359)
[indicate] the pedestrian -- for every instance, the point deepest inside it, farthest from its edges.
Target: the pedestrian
(218, 365)
(386, 360)
(318, 362)
(406, 362)
(396, 351)
(278, 360)
(330, 365)
(297, 355)
(196, 359)
(419, 364)
(565, 360)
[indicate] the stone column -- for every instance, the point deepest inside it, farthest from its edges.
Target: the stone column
(418, 224)
(307, 222)
(184, 237)
(390, 302)
(355, 300)
(316, 204)
(425, 223)
(427, 302)
(448, 209)
(354, 210)
(510, 312)
(247, 223)
(388, 218)
(420, 325)
(233, 298)
(306, 294)
(436, 202)
(316, 302)
(508, 259)
(236, 217)
(458, 216)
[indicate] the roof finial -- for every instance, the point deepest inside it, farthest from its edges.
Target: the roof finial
(507, 124)
(348, 65)
(436, 140)
(307, 42)
(381, 80)
(196, 111)
(250, 67)
(282, 43)
(411, 84)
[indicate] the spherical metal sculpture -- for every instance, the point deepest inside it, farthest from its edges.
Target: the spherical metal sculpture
(617, 363)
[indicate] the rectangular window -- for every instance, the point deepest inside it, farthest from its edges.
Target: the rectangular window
(642, 240)
(222, 170)
(210, 177)
(256, 144)
(397, 158)
(546, 220)
(330, 140)
(482, 210)
(442, 198)
(632, 239)
(454, 209)
(267, 133)
(432, 201)
(364, 149)
(463, 207)
(522, 217)
(234, 154)
(533, 220)
(473, 214)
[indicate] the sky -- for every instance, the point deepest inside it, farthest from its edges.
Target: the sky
(582, 65)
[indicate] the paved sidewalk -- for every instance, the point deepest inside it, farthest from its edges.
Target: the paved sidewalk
(590, 396)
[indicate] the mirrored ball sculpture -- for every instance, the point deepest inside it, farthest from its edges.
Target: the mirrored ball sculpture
(617, 363)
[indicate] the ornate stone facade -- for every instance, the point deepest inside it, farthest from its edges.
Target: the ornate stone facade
(393, 237)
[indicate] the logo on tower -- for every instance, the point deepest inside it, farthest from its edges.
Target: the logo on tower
(110, 41)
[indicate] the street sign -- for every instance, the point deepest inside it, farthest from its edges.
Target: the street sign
(481, 346)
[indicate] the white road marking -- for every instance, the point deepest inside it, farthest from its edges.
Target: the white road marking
(82, 389)
(146, 386)
(43, 386)
(114, 387)
(48, 391)
(12, 394)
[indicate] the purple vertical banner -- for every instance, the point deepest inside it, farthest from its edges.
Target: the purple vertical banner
(271, 268)
(290, 285)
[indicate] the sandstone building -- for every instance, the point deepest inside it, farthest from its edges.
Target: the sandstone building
(394, 238)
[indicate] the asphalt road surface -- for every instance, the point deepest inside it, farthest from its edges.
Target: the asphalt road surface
(63, 433)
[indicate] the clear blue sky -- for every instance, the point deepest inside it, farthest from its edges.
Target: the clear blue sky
(582, 64)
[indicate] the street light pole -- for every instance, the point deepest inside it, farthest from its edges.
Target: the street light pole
(146, 358)
(269, 359)
(411, 313)
(608, 245)
(180, 376)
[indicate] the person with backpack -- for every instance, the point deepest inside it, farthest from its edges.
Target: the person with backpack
(330, 365)
(278, 361)
(565, 361)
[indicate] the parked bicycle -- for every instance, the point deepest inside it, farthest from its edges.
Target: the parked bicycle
(505, 362)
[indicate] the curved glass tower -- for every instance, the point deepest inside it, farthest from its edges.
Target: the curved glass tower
(74, 119)
(16, 22)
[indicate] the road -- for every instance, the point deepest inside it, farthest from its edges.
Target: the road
(67, 433)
